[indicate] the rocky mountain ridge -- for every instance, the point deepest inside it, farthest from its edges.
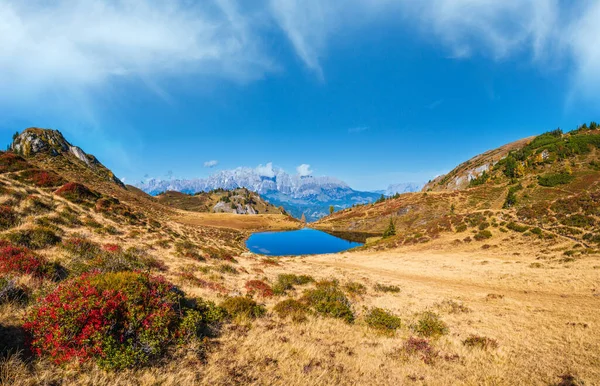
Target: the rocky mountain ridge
(308, 195)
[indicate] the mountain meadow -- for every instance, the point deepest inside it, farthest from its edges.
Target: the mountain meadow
(489, 275)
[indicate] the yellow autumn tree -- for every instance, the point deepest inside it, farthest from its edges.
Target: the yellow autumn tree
(519, 170)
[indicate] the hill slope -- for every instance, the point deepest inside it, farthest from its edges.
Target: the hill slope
(238, 201)
(114, 288)
(548, 185)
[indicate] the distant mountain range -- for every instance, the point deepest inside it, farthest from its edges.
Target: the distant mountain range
(299, 195)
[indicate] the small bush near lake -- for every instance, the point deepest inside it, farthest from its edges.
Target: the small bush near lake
(203, 320)
(430, 325)
(327, 299)
(483, 235)
(355, 289)
(243, 307)
(120, 320)
(386, 288)
(480, 342)
(287, 281)
(293, 309)
(382, 320)
(551, 180)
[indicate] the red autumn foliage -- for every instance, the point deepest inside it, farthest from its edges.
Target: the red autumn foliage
(19, 260)
(260, 288)
(112, 248)
(11, 162)
(119, 319)
(77, 193)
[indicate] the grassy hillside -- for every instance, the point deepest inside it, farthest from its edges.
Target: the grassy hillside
(101, 284)
(547, 188)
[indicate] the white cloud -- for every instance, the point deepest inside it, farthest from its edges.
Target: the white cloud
(211, 163)
(75, 46)
(358, 129)
(550, 33)
(69, 50)
(266, 170)
(304, 170)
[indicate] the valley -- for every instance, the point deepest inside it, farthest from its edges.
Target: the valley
(490, 275)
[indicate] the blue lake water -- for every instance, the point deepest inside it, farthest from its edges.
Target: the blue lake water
(301, 242)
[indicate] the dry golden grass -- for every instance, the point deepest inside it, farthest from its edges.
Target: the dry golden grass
(257, 222)
(545, 321)
(542, 310)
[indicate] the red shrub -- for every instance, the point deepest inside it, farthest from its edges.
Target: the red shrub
(19, 260)
(11, 162)
(259, 287)
(77, 193)
(46, 179)
(41, 178)
(119, 319)
(420, 347)
(112, 248)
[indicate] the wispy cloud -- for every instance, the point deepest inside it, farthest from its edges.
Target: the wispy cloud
(71, 50)
(552, 34)
(77, 47)
(435, 104)
(304, 170)
(211, 163)
(357, 129)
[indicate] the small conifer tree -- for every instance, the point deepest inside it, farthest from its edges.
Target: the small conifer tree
(390, 230)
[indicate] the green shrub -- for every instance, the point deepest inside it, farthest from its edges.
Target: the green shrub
(286, 281)
(390, 230)
(461, 228)
(227, 268)
(327, 299)
(481, 342)
(483, 235)
(551, 180)
(480, 180)
(511, 197)
(354, 288)
(386, 288)
(36, 238)
(8, 217)
(81, 247)
(382, 320)
(430, 325)
(291, 308)
(516, 227)
(202, 320)
(484, 225)
(243, 307)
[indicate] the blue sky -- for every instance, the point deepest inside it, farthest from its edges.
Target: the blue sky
(372, 92)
